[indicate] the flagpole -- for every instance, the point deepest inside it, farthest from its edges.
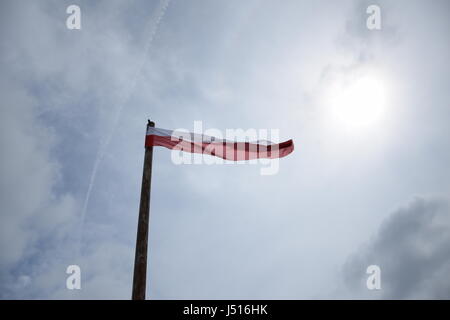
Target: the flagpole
(140, 260)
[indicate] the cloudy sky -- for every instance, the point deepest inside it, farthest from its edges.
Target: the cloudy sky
(368, 182)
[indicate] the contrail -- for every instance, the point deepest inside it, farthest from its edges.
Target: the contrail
(151, 27)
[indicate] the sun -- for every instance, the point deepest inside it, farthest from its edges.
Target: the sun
(359, 103)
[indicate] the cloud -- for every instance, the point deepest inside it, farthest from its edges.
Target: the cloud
(32, 212)
(412, 248)
(59, 95)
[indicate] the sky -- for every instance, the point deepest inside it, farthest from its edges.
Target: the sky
(367, 184)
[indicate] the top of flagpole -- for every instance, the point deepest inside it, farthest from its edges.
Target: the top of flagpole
(150, 123)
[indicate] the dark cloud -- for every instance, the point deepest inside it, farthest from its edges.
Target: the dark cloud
(412, 248)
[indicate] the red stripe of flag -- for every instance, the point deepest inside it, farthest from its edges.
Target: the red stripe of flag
(223, 149)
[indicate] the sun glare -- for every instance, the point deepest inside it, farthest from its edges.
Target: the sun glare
(360, 103)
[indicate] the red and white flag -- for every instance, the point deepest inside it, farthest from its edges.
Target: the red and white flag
(225, 149)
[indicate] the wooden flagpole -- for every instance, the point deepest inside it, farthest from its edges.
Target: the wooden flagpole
(140, 260)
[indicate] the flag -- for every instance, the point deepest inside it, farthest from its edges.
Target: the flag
(225, 149)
